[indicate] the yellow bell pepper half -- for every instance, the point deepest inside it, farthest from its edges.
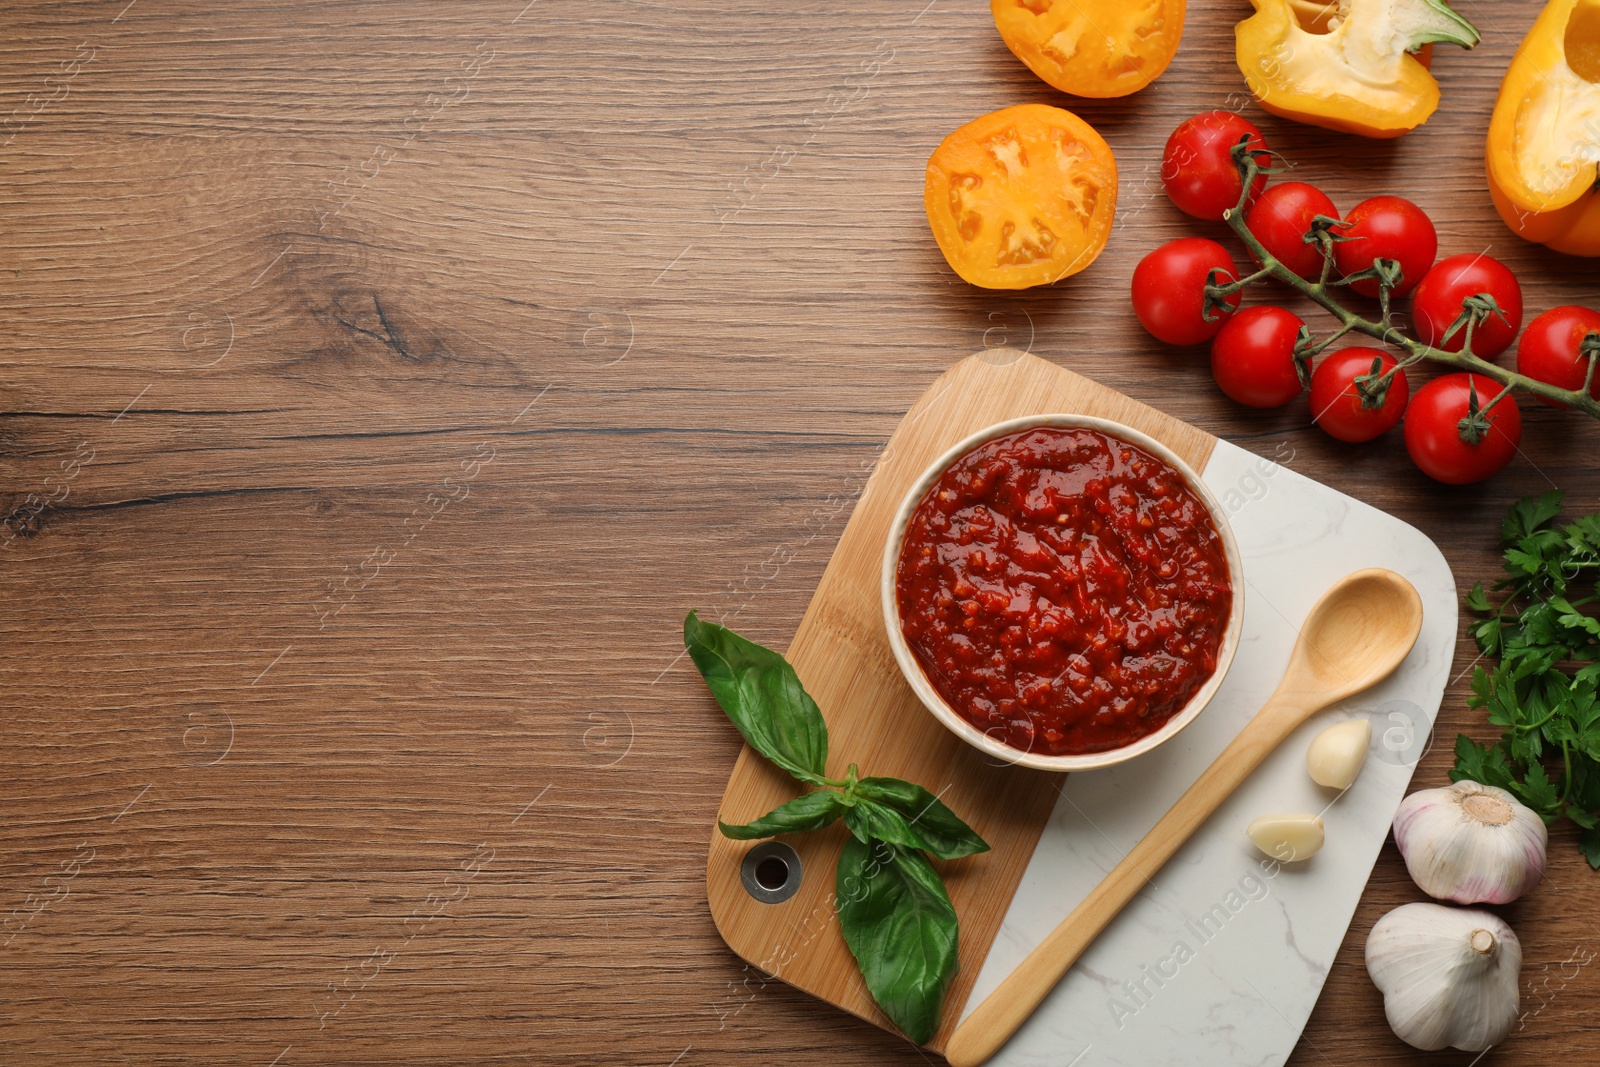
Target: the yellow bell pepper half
(1359, 76)
(1544, 138)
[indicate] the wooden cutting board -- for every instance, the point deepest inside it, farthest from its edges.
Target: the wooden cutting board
(874, 720)
(1223, 956)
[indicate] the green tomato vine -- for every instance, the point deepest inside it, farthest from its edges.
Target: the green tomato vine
(1372, 387)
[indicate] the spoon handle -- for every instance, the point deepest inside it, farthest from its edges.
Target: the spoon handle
(991, 1025)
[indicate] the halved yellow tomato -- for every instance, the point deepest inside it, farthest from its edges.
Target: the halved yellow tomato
(1092, 47)
(1021, 197)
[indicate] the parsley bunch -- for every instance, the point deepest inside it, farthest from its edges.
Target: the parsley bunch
(1542, 693)
(893, 909)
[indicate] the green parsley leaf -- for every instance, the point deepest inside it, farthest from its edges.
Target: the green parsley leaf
(1476, 599)
(1529, 515)
(1486, 765)
(1589, 841)
(1537, 791)
(1542, 691)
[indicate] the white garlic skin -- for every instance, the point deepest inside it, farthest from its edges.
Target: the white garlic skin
(1471, 843)
(1287, 838)
(1338, 753)
(1449, 976)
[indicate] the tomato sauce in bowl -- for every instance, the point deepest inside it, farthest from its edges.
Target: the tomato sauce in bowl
(1065, 591)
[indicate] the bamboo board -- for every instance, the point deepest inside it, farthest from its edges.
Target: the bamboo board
(874, 720)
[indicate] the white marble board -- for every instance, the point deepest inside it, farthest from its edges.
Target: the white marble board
(1222, 958)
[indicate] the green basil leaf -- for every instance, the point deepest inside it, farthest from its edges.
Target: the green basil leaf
(801, 815)
(763, 697)
(870, 821)
(901, 928)
(919, 819)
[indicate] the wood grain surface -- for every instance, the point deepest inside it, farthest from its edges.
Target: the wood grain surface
(383, 382)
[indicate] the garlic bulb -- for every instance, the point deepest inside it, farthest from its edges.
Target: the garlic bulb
(1337, 753)
(1287, 838)
(1448, 975)
(1470, 843)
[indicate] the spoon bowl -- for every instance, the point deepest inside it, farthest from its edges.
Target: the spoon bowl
(1355, 635)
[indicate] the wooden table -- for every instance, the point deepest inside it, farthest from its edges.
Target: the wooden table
(383, 382)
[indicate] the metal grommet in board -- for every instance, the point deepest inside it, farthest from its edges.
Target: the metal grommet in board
(771, 872)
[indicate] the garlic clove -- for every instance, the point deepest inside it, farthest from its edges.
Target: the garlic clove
(1287, 838)
(1471, 843)
(1448, 976)
(1337, 754)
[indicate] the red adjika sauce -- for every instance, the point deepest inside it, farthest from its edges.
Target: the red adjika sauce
(1064, 590)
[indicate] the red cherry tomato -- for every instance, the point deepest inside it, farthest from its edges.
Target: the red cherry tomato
(1280, 220)
(1434, 436)
(1386, 227)
(1337, 404)
(1437, 303)
(1197, 168)
(1549, 351)
(1252, 358)
(1169, 290)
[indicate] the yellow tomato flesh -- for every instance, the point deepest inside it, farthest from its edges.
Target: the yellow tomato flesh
(1092, 47)
(1021, 197)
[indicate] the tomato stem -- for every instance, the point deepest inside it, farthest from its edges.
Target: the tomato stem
(1318, 348)
(1238, 285)
(1414, 351)
(1501, 395)
(1590, 346)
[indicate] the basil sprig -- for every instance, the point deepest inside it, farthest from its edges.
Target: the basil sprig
(892, 905)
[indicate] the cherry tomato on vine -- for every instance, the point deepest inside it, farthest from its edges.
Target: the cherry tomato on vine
(1386, 227)
(1280, 219)
(1197, 168)
(1252, 357)
(1337, 404)
(1438, 429)
(1169, 290)
(1549, 350)
(1440, 296)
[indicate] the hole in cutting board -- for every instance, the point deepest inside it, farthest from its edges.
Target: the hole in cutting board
(771, 872)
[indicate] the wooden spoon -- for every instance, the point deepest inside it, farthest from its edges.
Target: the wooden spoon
(1355, 636)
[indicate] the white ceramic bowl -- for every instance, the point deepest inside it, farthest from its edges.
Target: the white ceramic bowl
(912, 669)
